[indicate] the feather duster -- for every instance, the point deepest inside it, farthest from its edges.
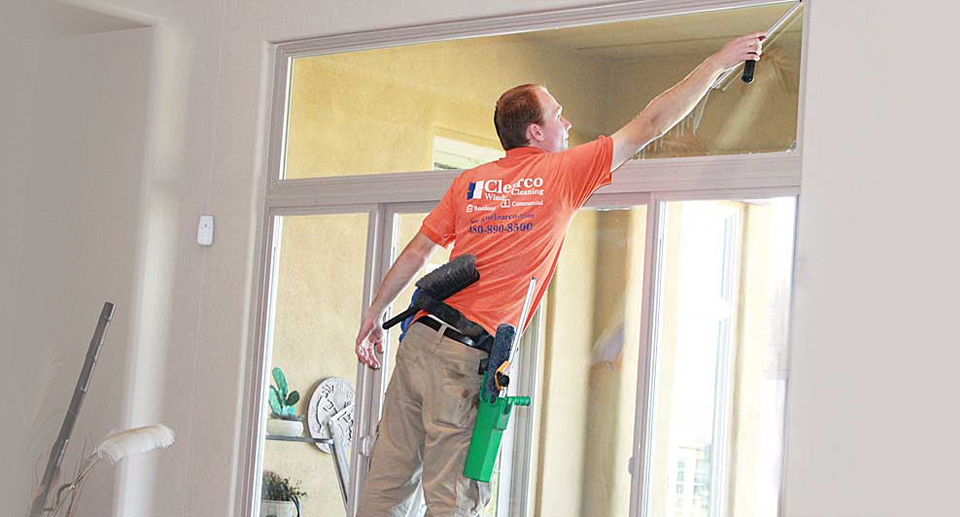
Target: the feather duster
(115, 447)
(135, 441)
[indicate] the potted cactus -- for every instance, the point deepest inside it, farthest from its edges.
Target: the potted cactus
(279, 497)
(284, 420)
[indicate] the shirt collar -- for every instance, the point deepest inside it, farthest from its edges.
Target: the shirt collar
(519, 152)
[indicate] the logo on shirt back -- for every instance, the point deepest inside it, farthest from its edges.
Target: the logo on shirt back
(475, 191)
(494, 190)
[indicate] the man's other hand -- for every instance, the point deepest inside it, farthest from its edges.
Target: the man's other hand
(748, 47)
(370, 337)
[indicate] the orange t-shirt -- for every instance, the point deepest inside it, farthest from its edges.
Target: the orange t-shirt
(512, 215)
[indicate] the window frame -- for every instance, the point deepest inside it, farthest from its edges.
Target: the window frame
(757, 175)
(654, 259)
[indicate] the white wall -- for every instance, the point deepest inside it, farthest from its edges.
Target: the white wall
(873, 393)
(15, 105)
(120, 172)
(869, 425)
(82, 202)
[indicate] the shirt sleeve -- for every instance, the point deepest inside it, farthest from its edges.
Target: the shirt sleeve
(440, 224)
(585, 168)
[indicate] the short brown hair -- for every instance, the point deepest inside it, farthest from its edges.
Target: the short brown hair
(516, 109)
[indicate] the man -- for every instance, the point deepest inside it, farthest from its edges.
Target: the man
(512, 215)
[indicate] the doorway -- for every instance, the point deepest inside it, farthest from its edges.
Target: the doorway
(602, 436)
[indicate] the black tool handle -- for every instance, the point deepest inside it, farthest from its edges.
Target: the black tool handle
(748, 68)
(400, 317)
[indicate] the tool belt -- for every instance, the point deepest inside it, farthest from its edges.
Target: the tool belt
(435, 287)
(448, 314)
(484, 342)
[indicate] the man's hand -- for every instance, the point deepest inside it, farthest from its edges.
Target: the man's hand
(676, 103)
(370, 336)
(745, 48)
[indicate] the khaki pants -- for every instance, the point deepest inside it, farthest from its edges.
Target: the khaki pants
(424, 435)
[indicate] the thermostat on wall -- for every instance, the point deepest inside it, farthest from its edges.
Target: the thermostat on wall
(205, 230)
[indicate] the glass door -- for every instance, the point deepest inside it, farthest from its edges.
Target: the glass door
(590, 356)
(603, 396)
(403, 224)
(719, 348)
(318, 278)
(711, 408)
(578, 360)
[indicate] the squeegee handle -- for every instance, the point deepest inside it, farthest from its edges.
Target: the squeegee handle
(748, 69)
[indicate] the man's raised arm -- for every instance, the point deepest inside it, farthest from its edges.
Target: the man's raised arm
(673, 105)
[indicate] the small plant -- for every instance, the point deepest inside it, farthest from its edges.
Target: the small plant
(282, 401)
(276, 488)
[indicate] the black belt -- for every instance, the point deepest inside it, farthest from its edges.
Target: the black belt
(482, 343)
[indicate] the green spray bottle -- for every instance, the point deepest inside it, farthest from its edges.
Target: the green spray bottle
(493, 414)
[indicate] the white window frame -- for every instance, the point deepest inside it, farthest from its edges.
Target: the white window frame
(723, 404)
(468, 154)
(722, 421)
(709, 177)
(653, 288)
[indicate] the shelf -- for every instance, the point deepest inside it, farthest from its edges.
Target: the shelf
(303, 439)
(341, 469)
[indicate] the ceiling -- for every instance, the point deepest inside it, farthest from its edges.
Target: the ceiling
(64, 20)
(699, 33)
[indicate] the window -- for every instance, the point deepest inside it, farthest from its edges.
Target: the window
(725, 277)
(378, 111)
(309, 326)
(451, 153)
(340, 87)
(591, 353)
(701, 476)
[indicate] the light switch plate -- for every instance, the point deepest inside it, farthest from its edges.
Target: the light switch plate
(205, 230)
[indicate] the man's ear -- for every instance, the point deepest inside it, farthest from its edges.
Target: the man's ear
(534, 133)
